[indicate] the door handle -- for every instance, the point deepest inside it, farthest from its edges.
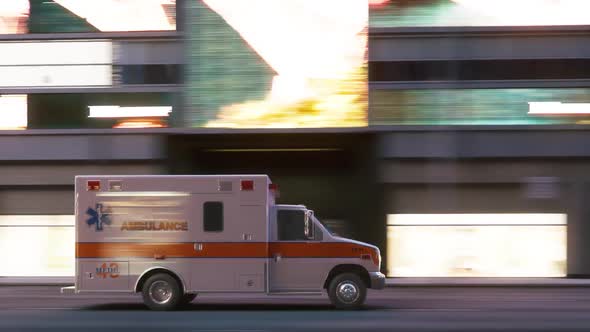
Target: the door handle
(198, 246)
(277, 257)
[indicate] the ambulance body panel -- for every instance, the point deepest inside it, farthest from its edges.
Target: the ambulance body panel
(218, 233)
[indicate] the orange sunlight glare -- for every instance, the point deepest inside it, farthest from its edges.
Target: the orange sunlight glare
(318, 51)
(378, 2)
(130, 124)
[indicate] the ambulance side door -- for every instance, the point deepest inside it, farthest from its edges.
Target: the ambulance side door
(294, 265)
(228, 254)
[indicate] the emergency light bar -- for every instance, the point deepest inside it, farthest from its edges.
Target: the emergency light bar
(274, 188)
(92, 185)
(247, 185)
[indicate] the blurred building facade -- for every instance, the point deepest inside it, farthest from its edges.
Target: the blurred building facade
(478, 177)
(467, 167)
(62, 61)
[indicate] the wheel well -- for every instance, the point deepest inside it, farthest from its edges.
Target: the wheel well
(348, 268)
(150, 273)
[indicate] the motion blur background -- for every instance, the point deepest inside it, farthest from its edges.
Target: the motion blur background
(451, 133)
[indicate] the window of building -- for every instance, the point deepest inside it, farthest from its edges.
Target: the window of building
(146, 74)
(477, 245)
(37, 245)
(74, 16)
(514, 106)
(480, 70)
(213, 216)
(465, 13)
(99, 110)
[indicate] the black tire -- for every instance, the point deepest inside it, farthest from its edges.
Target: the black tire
(347, 291)
(162, 292)
(188, 298)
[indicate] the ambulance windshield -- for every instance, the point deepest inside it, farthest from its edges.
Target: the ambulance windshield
(318, 221)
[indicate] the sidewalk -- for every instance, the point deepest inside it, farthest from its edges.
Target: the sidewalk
(36, 281)
(487, 282)
(390, 282)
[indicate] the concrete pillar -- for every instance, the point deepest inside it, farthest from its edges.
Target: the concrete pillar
(578, 230)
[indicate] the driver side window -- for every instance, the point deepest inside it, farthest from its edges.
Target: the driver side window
(291, 225)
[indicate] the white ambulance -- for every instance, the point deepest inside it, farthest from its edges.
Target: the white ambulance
(171, 237)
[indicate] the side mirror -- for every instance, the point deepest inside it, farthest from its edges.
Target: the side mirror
(308, 225)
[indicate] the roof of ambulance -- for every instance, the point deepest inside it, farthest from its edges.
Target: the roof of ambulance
(226, 176)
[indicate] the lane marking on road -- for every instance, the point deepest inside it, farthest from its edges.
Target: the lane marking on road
(433, 309)
(209, 330)
(372, 310)
(8, 309)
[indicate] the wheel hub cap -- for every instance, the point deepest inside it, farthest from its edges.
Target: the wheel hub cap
(160, 292)
(347, 292)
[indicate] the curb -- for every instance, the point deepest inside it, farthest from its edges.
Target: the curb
(486, 282)
(389, 283)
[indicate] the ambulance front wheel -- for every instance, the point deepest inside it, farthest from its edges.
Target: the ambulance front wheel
(162, 292)
(347, 291)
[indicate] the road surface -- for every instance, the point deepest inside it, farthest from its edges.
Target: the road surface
(43, 308)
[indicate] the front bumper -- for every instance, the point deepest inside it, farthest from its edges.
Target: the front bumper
(377, 280)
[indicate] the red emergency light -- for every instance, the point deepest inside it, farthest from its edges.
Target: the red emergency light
(247, 185)
(376, 3)
(274, 188)
(93, 185)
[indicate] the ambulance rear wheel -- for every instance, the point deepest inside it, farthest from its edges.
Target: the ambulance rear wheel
(347, 291)
(162, 292)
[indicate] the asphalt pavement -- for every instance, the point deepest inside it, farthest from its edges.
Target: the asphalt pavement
(43, 308)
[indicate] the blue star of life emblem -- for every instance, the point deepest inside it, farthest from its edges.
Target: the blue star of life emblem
(97, 217)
